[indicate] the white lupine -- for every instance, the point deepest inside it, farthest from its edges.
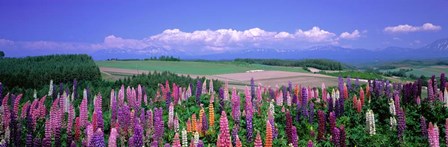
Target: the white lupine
(271, 107)
(176, 123)
(204, 87)
(35, 94)
(184, 138)
(210, 87)
(188, 93)
(279, 99)
(288, 100)
(196, 139)
(393, 122)
(392, 107)
(50, 91)
(370, 122)
(84, 94)
(226, 91)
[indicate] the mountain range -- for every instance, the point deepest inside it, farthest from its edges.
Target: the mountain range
(437, 49)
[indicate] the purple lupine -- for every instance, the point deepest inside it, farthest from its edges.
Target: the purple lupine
(249, 115)
(271, 93)
(295, 139)
(423, 127)
(100, 121)
(288, 127)
(401, 123)
(221, 99)
(336, 136)
(123, 119)
(285, 94)
(200, 143)
(430, 91)
(341, 87)
(341, 107)
(252, 88)
(234, 134)
(204, 123)
(98, 139)
(138, 136)
(322, 124)
(330, 103)
(310, 143)
(236, 113)
(168, 99)
(37, 142)
(332, 120)
(357, 82)
(158, 123)
(311, 113)
(198, 91)
(304, 102)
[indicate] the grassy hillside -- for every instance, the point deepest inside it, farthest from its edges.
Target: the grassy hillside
(195, 68)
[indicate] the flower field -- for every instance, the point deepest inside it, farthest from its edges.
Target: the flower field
(197, 114)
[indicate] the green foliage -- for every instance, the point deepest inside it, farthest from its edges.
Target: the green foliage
(36, 71)
(358, 74)
(2, 54)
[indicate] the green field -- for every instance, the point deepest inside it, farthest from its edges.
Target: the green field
(427, 71)
(192, 67)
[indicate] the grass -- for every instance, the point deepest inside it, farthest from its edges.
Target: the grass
(195, 68)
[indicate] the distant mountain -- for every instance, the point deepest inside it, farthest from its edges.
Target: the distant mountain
(439, 45)
(437, 49)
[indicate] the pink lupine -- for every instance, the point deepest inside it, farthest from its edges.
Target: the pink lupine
(83, 116)
(224, 139)
(236, 113)
(113, 138)
(433, 135)
(24, 109)
(171, 116)
(258, 142)
(176, 140)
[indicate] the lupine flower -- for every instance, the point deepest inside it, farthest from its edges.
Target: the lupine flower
(193, 123)
(224, 131)
(304, 102)
(336, 136)
(332, 120)
(433, 135)
(138, 135)
(321, 128)
(113, 138)
(83, 116)
(158, 123)
(236, 114)
(310, 143)
(423, 127)
(198, 91)
(370, 121)
(401, 123)
(184, 138)
(430, 91)
(176, 123)
(258, 142)
(47, 139)
(98, 139)
(288, 127)
(36, 142)
(446, 131)
(392, 107)
(176, 140)
(442, 82)
(311, 113)
(204, 123)
(238, 142)
(204, 87)
(268, 138)
(295, 138)
(171, 116)
(210, 87)
(211, 114)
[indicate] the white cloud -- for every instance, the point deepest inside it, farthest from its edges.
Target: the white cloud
(199, 41)
(354, 35)
(409, 28)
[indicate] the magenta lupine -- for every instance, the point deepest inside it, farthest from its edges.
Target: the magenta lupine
(321, 122)
(236, 113)
(123, 116)
(310, 143)
(7, 114)
(47, 139)
(332, 120)
(113, 138)
(401, 123)
(98, 139)
(288, 127)
(431, 96)
(89, 134)
(71, 117)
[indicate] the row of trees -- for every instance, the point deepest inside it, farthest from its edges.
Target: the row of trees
(322, 64)
(36, 71)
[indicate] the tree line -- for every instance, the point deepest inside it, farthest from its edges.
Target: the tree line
(323, 64)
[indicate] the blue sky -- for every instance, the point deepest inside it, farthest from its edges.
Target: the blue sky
(210, 26)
